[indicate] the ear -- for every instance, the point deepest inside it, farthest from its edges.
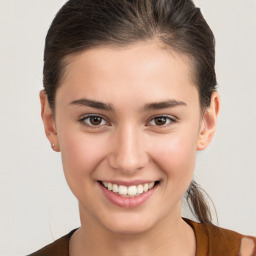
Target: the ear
(209, 121)
(49, 122)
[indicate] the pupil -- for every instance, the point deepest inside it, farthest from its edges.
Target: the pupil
(160, 121)
(95, 120)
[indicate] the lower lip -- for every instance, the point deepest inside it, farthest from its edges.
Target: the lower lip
(127, 202)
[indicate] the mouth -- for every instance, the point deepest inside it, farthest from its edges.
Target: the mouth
(131, 190)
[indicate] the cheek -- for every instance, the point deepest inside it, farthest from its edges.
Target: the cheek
(81, 154)
(176, 157)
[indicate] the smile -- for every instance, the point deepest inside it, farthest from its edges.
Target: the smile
(128, 194)
(128, 191)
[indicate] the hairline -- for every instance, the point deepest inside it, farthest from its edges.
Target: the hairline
(66, 60)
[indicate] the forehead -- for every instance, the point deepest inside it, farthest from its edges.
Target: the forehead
(146, 68)
(151, 52)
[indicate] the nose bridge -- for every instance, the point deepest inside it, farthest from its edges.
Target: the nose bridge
(129, 154)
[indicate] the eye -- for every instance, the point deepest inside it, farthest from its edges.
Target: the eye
(161, 121)
(94, 121)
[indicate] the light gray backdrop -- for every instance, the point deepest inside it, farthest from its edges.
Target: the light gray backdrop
(35, 203)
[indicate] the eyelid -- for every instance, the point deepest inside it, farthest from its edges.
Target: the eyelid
(172, 119)
(82, 120)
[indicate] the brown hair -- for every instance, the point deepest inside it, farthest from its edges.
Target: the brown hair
(83, 24)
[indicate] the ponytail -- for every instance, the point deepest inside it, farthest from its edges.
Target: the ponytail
(197, 203)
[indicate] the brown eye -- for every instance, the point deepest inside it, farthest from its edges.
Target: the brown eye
(162, 121)
(95, 120)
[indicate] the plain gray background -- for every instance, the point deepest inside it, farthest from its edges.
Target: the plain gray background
(36, 206)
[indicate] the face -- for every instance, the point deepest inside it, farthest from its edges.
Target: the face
(128, 118)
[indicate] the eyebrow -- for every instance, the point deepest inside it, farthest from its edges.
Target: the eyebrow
(93, 104)
(164, 104)
(151, 106)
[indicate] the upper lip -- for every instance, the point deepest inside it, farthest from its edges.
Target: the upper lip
(129, 183)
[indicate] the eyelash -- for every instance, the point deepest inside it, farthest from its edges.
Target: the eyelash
(166, 117)
(87, 117)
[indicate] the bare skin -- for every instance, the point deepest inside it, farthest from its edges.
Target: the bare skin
(181, 241)
(149, 126)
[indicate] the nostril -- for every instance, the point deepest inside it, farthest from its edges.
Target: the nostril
(128, 151)
(128, 163)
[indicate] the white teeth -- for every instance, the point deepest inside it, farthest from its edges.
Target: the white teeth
(109, 186)
(140, 189)
(122, 190)
(129, 191)
(151, 185)
(145, 187)
(115, 188)
(132, 191)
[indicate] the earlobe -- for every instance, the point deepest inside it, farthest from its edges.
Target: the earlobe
(49, 122)
(209, 122)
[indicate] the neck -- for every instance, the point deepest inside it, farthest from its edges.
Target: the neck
(166, 238)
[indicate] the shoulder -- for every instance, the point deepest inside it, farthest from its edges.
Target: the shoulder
(215, 241)
(59, 247)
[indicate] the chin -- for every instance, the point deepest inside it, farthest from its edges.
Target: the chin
(130, 226)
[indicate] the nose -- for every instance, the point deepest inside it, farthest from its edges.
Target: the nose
(129, 154)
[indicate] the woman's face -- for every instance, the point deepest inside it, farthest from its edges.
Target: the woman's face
(127, 117)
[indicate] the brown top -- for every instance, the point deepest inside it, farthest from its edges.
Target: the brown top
(210, 241)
